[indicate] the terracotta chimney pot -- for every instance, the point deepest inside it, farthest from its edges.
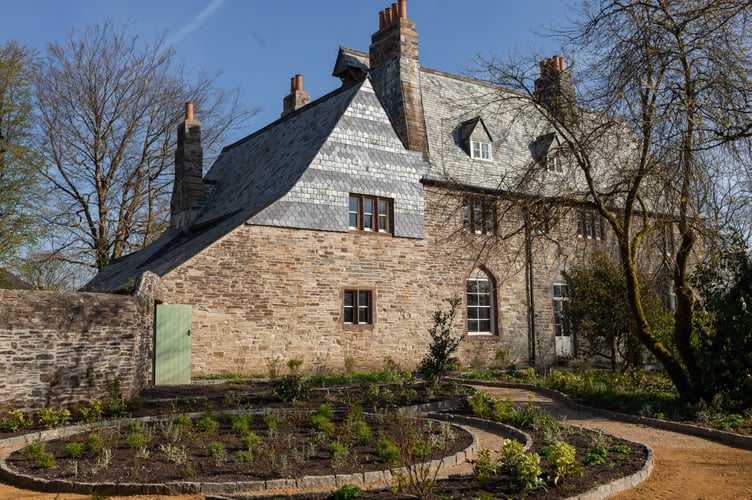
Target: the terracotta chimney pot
(402, 9)
(189, 110)
(382, 20)
(395, 12)
(298, 82)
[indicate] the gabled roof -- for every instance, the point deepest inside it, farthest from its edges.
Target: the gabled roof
(9, 280)
(248, 176)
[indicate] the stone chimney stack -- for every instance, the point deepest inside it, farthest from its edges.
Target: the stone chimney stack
(395, 72)
(555, 90)
(188, 193)
(297, 97)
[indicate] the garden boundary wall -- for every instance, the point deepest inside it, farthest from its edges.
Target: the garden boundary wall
(63, 348)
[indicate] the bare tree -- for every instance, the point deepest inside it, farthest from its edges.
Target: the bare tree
(19, 166)
(108, 107)
(652, 141)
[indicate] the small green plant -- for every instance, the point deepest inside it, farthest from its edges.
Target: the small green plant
(207, 424)
(50, 418)
(218, 452)
(346, 492)
(35, 449)
(349, 365)
(325, 411)
(361, 432)
(444, 343)
(135, 440)
(340, 454)
(15, 421)
(271, 421)
(621, 448)
(93, 443)
(388, 452)
(173, 453)
(294, 365)
(597, 455)
(241, 424)
(561, 457)
(524, 466)
(74, 450)
(243, 456)
(322, 424)
(46, 461)
(91, 412)
(251, 441)
(484, 467)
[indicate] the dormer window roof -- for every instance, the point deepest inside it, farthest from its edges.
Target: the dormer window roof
(546, 151)
(476, 139)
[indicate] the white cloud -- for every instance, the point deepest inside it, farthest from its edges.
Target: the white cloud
(196, 22)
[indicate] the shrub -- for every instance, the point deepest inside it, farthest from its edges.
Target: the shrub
(524, 466)
(561, 457)
(387, 451)
(93, 443)
(92, 412)
(361, 432)
(135, 440)
(74, 450)
(46, 461)
(596, 456)
(293, 387)
(241, 424)
(251, 441)
(346, 492)
(323, 424)
(437, 362)
(218, 451)
(15, 421)
(340, 453)
(325, 411)
(35, 450)
(49, 417)
(484, 467)
(208, 424)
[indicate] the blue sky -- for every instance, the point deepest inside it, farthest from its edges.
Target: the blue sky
(258, 45)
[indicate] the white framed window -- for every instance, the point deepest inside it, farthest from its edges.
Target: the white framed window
(481, 304)
(552, 163)
(480, 150)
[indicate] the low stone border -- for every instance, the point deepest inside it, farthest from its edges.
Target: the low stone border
(723, 437)
(371, 479)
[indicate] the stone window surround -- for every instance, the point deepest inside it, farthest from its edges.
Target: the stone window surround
(494, 328)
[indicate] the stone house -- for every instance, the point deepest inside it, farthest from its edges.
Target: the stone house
(335, 232)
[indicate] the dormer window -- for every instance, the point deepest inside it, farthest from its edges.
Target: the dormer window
(476, 139)
(370, 213)
(480, 150)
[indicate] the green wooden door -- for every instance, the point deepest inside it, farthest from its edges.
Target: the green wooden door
(172, 344)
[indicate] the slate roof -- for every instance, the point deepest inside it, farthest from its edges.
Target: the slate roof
(249, 176)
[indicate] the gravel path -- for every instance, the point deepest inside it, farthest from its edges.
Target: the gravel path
(686, 467)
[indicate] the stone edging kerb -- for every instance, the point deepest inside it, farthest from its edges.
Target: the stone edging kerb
(371, 479)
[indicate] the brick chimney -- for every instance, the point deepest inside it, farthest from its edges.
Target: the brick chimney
(555, 90)
(188, 194)
(297, 97)
(395, 72)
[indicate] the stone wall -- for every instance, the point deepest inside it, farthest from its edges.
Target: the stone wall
(59, 349)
